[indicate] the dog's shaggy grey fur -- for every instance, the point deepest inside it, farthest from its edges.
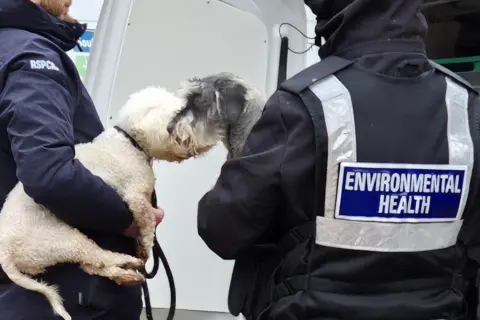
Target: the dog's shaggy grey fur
(222, 104)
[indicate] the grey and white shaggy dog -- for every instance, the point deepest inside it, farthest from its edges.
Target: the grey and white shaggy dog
(223, 106)
(154, 124)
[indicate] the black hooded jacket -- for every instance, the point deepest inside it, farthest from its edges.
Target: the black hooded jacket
(44, 110)
(383, 38)
(269, 189)
(386, 37)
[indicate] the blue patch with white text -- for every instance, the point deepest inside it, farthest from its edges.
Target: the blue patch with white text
(85, 41)
(401, 192)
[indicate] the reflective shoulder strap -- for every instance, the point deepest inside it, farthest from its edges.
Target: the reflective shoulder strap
(337, 114)
(453, 75)
(296, 85)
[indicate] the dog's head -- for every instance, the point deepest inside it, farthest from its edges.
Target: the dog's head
(146, 116)
(219, 107)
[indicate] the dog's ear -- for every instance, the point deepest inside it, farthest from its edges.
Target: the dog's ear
(189, 88)
(231, 100)
(181, 131)
(180, 128)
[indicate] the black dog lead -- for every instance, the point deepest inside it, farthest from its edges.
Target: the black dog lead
(158, 255)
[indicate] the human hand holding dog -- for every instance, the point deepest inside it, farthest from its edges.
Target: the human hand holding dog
(132, 230)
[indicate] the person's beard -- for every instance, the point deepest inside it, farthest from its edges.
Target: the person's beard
(56, 11)
(69, 18)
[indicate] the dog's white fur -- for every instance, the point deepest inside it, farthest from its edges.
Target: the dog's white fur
(32, 239)
(187, 142)
(220, 107)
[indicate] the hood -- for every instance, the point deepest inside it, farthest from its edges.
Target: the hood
(26, 15)
(358, 28)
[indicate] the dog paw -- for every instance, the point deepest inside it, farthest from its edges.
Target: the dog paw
(125, 277)
(134, 264)
(143, 254)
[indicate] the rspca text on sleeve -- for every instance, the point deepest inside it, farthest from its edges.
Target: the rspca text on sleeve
(43, 65)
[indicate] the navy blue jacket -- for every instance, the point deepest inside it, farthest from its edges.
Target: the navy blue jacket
(44, 111)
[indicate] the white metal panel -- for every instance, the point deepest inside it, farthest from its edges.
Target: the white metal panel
(105, 54)
(166, 42)
(312, 54)
(86, 10)
(273, 14)
(139, 43)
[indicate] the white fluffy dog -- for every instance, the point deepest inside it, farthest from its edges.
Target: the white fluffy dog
(154, 124)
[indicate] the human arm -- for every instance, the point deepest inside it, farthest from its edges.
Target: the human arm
(241, 205)
(37, 106)
(469, 234)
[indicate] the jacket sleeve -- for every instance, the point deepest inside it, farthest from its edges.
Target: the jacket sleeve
(469, 234)
(37, 106)
(241, 205)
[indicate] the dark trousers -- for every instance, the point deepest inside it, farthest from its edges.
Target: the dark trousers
(85, 298)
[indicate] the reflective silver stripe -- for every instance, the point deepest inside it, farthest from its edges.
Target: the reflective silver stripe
(342, 144)
(386, 237)
(375, 236)
(460, 144)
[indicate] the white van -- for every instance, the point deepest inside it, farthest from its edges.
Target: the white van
(140, 43)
